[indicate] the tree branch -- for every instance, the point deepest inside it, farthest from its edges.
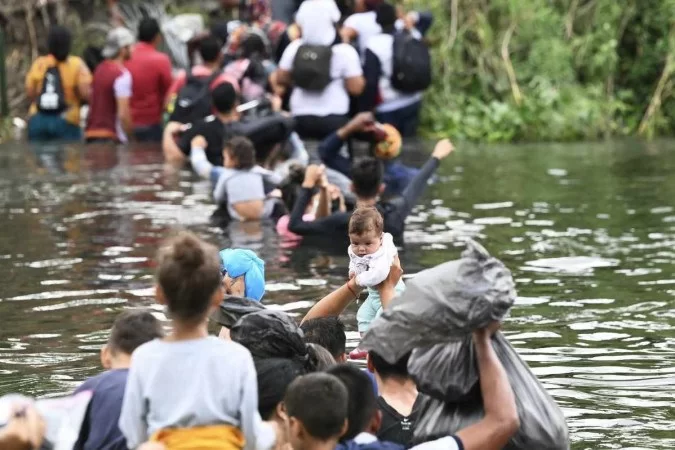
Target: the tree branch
(515, 89)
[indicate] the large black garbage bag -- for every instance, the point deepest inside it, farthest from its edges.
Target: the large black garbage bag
(435, 318)
(233, 308)
(446, 302)
(542, 423)
(270, 334)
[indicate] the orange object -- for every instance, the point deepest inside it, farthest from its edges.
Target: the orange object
(216, 437)
(390, 146)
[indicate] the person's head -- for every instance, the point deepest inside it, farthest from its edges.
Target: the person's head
(365, 230)
(189, 281)
(386, 16)
(364, 415)
(149, 31)
(59, 42)
(316, 408)
(274, 377)
(321, 358)
(366, 5)
(380, 367)
(367, 178)
(243, 273)
(328, 332)
(239, 153)
(118, 44)
(130, 330)
(252, 46)
(210, 50)
(224, 99)
(290, 186)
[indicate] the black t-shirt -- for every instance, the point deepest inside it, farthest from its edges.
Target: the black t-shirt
(214, 131)
(395, 427)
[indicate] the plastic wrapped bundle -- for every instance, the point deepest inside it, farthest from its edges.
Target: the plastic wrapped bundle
(446, 302)
(435, 318)
(270, 334)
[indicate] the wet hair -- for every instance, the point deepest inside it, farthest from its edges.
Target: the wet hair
(224, 98)
(366, 219)
(59, 42)
(290, 186)
(210, 49)
(386, 16)
(367, 174)
(322, 359)
(188, 272)
(362, 401)
(274, 377)
(148, 30)
(385, 370)
(132, 329)
(320, 402)
(241, 149)
(328, 332)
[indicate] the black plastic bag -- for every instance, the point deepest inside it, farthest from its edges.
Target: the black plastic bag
(444, 303)
(270, 334)
(233, 308)
(435, 318)
(542, 423)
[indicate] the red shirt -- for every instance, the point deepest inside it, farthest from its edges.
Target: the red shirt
(151, 73)
(102, 119)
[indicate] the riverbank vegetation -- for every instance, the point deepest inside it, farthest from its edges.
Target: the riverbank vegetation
(514, 70)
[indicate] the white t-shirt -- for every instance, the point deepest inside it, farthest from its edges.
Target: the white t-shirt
(122, 88)
(382, 46)
(371, 270)
(334, 99)
(365, 24)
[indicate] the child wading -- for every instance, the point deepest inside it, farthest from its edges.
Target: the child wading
(371, 255)
(192, 390)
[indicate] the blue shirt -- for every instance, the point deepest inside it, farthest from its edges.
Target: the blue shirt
(99, 429)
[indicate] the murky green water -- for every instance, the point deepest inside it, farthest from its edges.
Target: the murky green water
(588, 230)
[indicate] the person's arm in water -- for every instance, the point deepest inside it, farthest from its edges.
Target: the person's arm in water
(123, 91)
(327, 226)
(372, 71)
(171, 150)
(415, 189)
(501, 415)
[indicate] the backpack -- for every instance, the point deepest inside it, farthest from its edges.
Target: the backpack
(194, 99)
(311, 67)
(251, 77)
(52, 99)
(411, 71)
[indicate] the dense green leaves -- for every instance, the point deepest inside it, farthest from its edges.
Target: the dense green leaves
(551, 69)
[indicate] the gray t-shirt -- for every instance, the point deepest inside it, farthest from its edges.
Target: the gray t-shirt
(192, 383)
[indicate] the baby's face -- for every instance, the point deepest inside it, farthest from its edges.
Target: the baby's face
(366, 243)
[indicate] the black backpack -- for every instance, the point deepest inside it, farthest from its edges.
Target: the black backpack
(52, 99)
(194, 99)
(411, 64)
(311, 67)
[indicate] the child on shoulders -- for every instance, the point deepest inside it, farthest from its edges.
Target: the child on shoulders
(192, 390)
(240, 183)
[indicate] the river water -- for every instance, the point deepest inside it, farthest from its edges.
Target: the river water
(588, 231)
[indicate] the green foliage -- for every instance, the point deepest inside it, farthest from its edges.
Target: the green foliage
(514, 70)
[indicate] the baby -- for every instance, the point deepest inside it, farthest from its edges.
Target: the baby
(371, 255)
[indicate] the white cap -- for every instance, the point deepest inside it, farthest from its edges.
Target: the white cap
(117, 39)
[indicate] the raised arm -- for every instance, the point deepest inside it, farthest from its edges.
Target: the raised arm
(501, 415)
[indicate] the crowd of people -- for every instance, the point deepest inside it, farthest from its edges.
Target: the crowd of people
(257, 91)
(264, 383)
